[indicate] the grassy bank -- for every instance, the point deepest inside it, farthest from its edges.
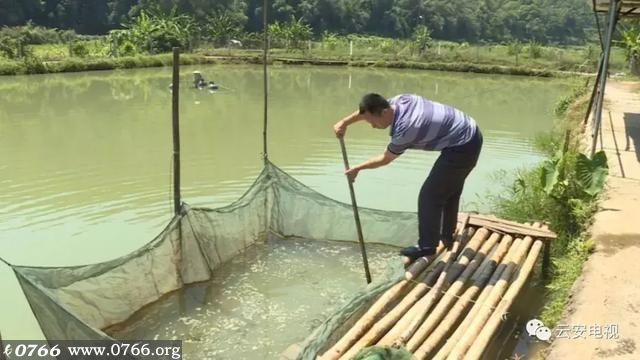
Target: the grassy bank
(73, 64)
(558, 192)
(37, 66)
(95, 54)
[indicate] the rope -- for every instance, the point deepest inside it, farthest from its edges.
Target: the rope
(6, 262)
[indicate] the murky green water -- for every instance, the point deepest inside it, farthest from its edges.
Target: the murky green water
(86, 158)
(260, 303)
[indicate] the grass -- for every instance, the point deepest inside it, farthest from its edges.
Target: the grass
(37, 66)
(569, 217)
(441, 55)
(570, 58)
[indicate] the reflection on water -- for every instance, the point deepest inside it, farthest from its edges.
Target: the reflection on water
(86, 157)
(261, 302)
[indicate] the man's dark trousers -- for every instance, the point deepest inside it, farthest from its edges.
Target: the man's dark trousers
(439, 197)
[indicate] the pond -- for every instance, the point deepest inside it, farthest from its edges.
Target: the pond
(87, 156)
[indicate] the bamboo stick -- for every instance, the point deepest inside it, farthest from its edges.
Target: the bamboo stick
(415, 315)
(492, 299)
(454, 339)
(376, 311)
(451, 295)
(379, 328)
(426, 349)
(462, 232)
(410, 322)
(420, 264)
(483, 338)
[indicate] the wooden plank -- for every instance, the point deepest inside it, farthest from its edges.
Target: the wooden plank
(507, 227)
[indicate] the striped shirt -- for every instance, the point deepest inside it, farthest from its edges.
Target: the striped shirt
(423, 124)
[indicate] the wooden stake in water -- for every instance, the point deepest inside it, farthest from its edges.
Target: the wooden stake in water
(356, 215)
(175, 112)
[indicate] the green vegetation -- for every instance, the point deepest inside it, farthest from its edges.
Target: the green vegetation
(630, 41)
(383, 353)
(33, 65)
(223, 30)
(562, 191)
(545, 21)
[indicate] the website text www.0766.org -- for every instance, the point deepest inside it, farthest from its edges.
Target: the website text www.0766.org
(90, 349)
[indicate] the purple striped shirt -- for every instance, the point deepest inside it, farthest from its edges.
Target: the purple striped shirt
(423, 124)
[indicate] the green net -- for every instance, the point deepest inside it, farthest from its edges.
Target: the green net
(79, 302)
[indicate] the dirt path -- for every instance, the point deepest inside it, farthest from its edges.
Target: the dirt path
(605, 300)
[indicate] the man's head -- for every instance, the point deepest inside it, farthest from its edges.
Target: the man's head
(375, 109)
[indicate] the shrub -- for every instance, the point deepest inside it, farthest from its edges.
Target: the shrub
(8, 47)
(534, 49)
(79, 49)
(34, 65)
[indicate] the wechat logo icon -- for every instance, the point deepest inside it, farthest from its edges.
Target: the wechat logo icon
(536, 328)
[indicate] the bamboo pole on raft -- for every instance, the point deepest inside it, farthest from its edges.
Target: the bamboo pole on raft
(371, 321)
(410, 322)
(384, 324)
(492, 299)
(454, 339)
(425, 350)
(484, 337)
(449, 298)
(375, 312)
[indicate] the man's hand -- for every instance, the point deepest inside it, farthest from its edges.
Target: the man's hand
(340, 128)
(352, 174)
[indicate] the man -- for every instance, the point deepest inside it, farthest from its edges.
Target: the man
(418, 123)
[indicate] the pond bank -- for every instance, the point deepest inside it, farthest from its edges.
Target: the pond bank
(35, 66)
(604, 301)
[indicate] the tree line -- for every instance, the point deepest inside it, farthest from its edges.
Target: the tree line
(545, 21)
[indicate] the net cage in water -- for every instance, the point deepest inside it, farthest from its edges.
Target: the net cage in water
(79, 302)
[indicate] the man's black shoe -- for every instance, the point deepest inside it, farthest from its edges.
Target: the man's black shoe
(415, 252)
(448, 243)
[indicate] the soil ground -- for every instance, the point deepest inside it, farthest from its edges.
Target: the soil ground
(603, 314)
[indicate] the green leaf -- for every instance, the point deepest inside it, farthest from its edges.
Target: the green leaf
(592, 173)
(550, 175)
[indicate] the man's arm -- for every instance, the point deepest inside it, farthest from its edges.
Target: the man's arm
(341, 126)
(375, 162)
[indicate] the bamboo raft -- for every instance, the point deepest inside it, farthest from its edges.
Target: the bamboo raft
(450, 309)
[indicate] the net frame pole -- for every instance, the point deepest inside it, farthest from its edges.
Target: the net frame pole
(356, 214)
(613, 19)
(175, 111)
(594, 91)
(265, 51)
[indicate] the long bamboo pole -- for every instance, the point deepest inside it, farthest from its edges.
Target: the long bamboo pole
(427, 348)
(492, 300)
(449, 298)
(384, 324)
(356, 214)
(484, 337)
(410, 322)
(454, 340)
(375, 312)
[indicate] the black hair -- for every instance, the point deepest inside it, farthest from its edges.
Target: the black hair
(373, 103)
